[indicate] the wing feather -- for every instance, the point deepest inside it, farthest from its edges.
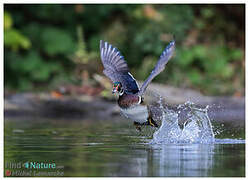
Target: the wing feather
(116, 68)
(164, 58)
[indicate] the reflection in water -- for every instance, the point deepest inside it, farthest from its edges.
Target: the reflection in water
(183, 160)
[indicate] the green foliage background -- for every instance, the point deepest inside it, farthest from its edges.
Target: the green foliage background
(41, 43)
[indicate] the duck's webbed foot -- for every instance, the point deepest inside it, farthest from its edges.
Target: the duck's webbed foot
(151, 122)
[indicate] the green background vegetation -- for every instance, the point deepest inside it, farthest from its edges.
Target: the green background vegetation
(48, 45)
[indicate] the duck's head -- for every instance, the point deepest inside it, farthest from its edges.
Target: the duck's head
(117, 88)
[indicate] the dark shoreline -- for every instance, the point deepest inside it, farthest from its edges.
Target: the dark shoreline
(227, 110)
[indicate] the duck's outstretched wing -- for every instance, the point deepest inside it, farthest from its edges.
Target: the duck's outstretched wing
(164, 58)
(115, 67)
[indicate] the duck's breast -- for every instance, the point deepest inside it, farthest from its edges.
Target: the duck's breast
(127, 100)
(138, 113)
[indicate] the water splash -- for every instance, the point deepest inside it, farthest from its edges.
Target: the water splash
(196, 127)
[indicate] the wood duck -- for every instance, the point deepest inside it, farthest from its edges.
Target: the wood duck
(131, 101)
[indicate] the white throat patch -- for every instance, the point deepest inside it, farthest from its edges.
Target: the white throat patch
(140, 99)
(121, 92)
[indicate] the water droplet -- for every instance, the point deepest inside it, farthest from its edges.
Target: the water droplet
(197, 127)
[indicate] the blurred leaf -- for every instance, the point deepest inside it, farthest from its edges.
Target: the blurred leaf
(200, 24)
(227, 71)
(15, 40)
(24, 84)
(185, 57)
(33, 31)
(195, 76)
(200, 51)
(207, 12)
(209, 51)
(39, 69)
(146, 67)
(7, 21)
(236, 54)
(56, 41)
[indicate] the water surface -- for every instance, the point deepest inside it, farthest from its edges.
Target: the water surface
(113, 148)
